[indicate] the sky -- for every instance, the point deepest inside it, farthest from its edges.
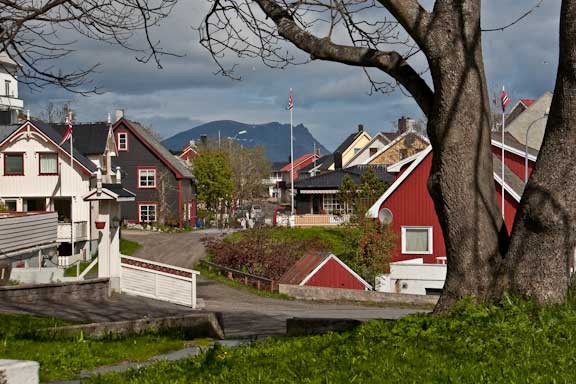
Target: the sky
(330, 99)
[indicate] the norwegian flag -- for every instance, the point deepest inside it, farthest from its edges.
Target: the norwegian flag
(68, 133)
(504, 99)
(290, 100)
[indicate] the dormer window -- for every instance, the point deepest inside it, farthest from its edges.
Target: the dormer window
(122, 141)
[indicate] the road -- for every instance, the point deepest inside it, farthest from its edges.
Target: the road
(244, 314)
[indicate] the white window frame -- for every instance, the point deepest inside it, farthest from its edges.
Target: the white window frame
(140, 186)
(148, 205)
(430, 241)
(123, 135)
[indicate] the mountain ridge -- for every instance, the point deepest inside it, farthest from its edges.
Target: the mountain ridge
(273, 136)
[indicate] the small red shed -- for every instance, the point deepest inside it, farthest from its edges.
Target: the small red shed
(323, 270)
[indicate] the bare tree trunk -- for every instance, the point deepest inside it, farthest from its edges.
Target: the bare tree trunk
(461, 181)
(537, 263)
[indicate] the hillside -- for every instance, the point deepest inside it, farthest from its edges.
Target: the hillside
(275, 137)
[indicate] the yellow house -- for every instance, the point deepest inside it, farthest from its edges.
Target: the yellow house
(350, 147)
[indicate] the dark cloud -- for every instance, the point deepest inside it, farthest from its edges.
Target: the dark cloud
(331, 99)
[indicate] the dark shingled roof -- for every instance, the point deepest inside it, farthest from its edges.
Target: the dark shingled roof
(333, 179)
(119, 190)
(511, 141)
(348, 142)
(57, 137)
(89, 138)
(7, 130)
(158, 147)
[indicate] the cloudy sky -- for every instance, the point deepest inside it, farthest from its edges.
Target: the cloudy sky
(331, 99)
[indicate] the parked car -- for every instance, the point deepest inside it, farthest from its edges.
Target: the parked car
(281, 215)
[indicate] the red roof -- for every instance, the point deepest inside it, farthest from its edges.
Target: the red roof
(303, 267)
(298, 162)
(527, 102)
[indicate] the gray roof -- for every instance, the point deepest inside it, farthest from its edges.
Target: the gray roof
(533, 118)
(119, 190)
(348, 142)
(7, 130)
(333, 179)
(511, 141)
(510, 177)
(164, 153)
(89, 138)
(57, 137)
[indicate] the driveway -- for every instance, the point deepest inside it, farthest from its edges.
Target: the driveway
(245, 314)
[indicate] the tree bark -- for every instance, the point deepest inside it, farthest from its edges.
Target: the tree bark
(542, 243)
(461, 181)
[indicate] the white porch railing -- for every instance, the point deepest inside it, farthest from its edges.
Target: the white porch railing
(158, 281)
(65, 231)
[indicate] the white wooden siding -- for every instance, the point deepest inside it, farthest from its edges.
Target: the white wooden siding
(69, 182)
(27, 231)
(159, 285)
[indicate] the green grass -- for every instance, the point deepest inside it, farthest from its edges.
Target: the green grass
(333, 238)
(212, 275)
(513, 343)
(71, 271)
(64, 358)
(128, 247)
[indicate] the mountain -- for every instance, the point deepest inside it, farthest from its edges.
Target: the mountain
(275, 137)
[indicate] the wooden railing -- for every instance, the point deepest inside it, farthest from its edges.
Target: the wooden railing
(320, 220)
(259, 282)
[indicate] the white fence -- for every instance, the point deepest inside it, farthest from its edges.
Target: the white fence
(158, 281)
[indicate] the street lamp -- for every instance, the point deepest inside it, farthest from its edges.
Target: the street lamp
(526, 145)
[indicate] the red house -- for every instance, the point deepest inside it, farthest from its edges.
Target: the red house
(409, 209)
(323, 270)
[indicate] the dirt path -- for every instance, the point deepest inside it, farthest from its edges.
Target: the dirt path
(245, 314)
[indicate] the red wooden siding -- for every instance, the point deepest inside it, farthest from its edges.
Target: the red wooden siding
(411, 205)
(510, 206)
(514, 162)
(334, 275)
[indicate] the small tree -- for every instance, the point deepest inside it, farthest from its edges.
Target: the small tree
(347, 193)
(214, 178)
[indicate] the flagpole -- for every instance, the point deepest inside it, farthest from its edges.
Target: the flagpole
(503, 154)
(72, 194)
(291, 165)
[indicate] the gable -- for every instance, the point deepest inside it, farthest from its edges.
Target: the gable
(400, 149)
(371, 148)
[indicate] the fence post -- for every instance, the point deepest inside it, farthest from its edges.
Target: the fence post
(245, 280)
(258, 284)
(272, 286)
(230, 276)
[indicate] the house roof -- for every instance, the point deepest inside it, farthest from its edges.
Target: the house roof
(391, 135)
(333, 179)
(322, 164)
(393, 142)
(298, 162)
(512, 145)
(164, 154)
(534, 120)
(513, 184)
(89, 138)
(119, 190)
(397, 167)
(308, 265)
(527, 102)
(349, 141)
(7, 130)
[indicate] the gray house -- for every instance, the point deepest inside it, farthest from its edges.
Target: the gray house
(164, 186)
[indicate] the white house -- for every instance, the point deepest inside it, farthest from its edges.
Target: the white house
(36, 175)
(10, 103)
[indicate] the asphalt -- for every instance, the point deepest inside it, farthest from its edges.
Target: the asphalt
(245, 314)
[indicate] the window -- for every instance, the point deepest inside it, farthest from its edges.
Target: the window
(417, 240)
(147, 213)
(48, 163)
(122, 141)
(63, 205)
(10, 205)
(357, 150)
(146, 178)
(7, 88)
(373, 151)
(331, 205)
(13, 164)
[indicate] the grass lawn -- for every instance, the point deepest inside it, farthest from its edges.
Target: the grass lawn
(128, 247)
(62, 359)
(333, 238)
(513, 343)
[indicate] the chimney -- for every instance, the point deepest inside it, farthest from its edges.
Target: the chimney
(337, 160)
(119, 114)
(118, 176)
(360, 127)
(402, 125)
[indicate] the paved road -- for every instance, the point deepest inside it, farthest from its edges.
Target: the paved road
(244, 314)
